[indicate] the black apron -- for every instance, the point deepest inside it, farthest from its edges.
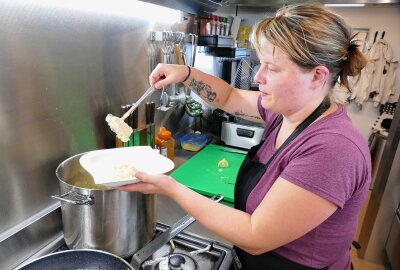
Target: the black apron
(248, 176)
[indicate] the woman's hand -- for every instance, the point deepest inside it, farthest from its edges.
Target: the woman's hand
(165, 74)
(150, 184)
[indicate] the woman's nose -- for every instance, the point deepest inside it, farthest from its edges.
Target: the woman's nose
(258, 78)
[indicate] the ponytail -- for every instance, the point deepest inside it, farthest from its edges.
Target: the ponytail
(354, 63)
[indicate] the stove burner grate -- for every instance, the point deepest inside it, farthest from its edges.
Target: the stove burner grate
(197, 253)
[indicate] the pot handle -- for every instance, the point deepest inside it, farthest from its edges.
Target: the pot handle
(75, 198)
(140, 256)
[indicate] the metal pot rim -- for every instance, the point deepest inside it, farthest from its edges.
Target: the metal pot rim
(58, 169)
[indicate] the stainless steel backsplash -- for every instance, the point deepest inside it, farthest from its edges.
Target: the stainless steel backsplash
(61, 72)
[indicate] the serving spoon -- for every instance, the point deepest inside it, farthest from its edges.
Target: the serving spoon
(119, 126)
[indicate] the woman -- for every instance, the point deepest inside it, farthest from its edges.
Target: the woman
(298, 192)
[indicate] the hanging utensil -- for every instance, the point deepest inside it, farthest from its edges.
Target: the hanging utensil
(183, 48)
(178, 54)
(194, 48)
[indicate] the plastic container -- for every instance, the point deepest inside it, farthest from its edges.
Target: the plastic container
(193, 141)
(165, 143)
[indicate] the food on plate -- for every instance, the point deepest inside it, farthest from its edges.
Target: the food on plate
(124, 171)
(223, 163)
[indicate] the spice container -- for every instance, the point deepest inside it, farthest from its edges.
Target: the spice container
(165, 143)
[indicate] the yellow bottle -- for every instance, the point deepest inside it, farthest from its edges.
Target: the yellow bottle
(165, 143)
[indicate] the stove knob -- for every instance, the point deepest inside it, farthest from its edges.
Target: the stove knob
(176, 261)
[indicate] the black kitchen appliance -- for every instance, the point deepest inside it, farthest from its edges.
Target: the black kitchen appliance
(218, 116)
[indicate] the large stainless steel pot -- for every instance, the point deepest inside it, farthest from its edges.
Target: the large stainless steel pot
(96, 217)
(85, 259)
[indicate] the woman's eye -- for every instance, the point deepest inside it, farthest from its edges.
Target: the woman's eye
(267, 67)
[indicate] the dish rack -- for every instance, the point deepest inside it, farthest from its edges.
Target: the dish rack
(244, 76)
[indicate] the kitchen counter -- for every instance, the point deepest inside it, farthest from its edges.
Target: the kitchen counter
(168, 212)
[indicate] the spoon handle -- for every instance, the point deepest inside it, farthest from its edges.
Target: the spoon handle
(137, 103)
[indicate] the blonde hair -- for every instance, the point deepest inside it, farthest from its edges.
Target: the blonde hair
(313, 35)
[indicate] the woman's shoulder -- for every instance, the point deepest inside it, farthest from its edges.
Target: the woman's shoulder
(336, 131)
(338, 123)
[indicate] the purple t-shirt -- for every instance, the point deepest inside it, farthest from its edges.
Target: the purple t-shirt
(331, 159)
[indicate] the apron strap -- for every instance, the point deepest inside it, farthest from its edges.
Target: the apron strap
(308, 121)
(245, 184)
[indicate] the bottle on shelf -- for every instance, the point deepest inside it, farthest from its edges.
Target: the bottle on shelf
(195, 29)
(203, 25)
(213, 25)
(223, 26)
(226, 26)
(165, 143)
(217, 25)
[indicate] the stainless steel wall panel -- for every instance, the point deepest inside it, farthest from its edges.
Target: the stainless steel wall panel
(61, 72)
(37, 232)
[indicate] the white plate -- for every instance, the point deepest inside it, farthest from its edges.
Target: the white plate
(102, 164)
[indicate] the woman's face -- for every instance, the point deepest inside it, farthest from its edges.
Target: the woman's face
(284, 86)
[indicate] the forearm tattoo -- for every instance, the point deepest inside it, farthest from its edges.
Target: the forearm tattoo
(242, 114)
(203, 90)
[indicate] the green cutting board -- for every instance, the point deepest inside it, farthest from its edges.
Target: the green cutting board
(202, 174)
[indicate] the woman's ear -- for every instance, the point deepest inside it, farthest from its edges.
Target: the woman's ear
(320, 76)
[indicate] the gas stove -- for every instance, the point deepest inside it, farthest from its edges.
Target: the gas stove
(187, 251)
